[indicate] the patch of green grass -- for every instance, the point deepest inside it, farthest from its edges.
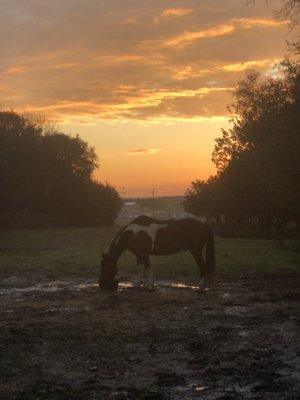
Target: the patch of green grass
(76, 253)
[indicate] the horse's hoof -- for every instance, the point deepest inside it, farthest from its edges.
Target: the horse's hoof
(109, 285)
(204, 289)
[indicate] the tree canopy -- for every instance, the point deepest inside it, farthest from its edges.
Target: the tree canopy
(257, 159)
(46, 171)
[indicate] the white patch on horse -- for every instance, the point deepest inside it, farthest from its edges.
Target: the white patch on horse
(151, 230)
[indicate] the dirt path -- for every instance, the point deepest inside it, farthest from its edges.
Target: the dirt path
(66, 340)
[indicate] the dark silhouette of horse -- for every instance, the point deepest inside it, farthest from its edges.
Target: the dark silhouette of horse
(145, 236)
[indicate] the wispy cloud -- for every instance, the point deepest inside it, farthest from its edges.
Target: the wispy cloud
(242, 66)
(176, 12)
(26, 69)
(189, 36)
(253, 22)
(143, 151)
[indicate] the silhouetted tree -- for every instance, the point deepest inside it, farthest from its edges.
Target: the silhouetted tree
(44, 170)
(289, 9)
(258, 157)
(201, 198)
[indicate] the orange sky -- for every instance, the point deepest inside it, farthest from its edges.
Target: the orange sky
(146, 83)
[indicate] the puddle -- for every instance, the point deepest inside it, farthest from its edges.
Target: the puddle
(49, 287)
(58, 286)
(178, 285)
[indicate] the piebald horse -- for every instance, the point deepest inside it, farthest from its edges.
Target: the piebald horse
(145, 236)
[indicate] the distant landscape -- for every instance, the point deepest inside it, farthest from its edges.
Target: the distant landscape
(160, 207)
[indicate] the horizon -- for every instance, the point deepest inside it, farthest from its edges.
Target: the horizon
(147, 85)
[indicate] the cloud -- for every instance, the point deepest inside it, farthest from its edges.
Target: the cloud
(143, 151)
(242, 66)
(109, 61)
(176, 12)
(189, 36)
(247, 23)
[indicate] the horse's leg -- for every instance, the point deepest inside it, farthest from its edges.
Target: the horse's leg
(197, 254)
(141, 267)
(149, 272)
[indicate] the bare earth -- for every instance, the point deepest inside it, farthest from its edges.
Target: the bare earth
(68, 340)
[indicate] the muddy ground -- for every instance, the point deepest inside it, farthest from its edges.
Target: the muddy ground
(68, 340)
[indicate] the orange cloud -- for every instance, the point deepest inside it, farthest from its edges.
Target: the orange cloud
(188, 37)
(242, 66)
(176, 12)
(30, 68)
(252, 22)
(16, 70)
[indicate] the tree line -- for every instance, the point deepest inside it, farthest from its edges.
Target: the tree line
(257, 159)
(46, 177)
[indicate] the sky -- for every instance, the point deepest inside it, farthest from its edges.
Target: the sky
(147, 83)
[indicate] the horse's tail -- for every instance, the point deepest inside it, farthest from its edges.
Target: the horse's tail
(210, 253)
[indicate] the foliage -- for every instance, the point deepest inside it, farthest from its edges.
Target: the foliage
(43, 170)
(258, 157)
(201, 198)
(290, 10)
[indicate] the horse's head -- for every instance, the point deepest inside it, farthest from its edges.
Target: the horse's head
(108, 272)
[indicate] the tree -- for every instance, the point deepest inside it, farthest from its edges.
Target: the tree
(290, 10)
(201, 198)
(258, 157)
(46, 171)
(264, 139)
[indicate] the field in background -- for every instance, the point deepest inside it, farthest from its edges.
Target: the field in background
(63, 338)
(76, 253)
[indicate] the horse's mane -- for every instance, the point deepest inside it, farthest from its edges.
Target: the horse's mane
(118, 235)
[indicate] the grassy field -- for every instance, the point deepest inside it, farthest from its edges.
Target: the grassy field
(77, 252)
(62, 338)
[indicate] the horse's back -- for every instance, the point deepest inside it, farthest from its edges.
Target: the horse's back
(167, 236)
(144, 220)
(183, 224)
(191, 231)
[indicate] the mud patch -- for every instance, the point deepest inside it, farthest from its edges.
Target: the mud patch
(69, 340)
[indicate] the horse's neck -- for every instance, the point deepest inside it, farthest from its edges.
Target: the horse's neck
(115, 250)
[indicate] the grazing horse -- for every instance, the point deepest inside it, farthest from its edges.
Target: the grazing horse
(145, 236)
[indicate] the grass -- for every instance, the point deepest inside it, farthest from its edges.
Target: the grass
(76, 253)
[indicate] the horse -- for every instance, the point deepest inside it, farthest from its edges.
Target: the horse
(145, 236)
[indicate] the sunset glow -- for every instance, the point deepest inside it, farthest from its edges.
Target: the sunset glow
(146, 83)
